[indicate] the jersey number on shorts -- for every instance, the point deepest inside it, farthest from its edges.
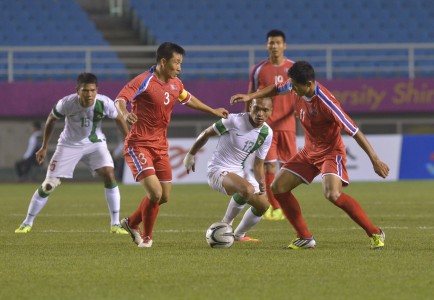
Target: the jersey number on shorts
(53, 165)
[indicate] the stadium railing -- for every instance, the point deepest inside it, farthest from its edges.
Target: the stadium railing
(331, 61)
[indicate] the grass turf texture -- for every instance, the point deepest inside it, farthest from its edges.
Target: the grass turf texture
(69, 254)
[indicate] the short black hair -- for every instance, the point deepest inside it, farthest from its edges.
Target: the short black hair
(86, 78)
(166, 50)
(276, 32)
(301, 72)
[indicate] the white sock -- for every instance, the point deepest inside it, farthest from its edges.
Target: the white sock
(113, 198)
(249, 220)
(35, 206)
(232, 211)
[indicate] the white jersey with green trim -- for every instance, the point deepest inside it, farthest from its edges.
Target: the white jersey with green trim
(238, 139)
(83, 124)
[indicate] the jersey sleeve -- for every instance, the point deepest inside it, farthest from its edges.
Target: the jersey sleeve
(222, 126)
(130, 90)
(262, 151)
(335, 111)
(58, 110)
(284, 88)
(109, 108)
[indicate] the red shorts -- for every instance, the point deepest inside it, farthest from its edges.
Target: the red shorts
(283, 146)
(145, 161)
(307, 168)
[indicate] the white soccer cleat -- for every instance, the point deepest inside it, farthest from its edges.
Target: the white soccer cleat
(134, 233)
(147, 243)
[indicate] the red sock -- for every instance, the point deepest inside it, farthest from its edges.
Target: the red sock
(356, 212)
(136, 218)
(149, 215)
(269, 177)
(292, 211)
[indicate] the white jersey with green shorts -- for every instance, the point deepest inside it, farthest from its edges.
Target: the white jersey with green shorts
(81, 138)
(238, 139)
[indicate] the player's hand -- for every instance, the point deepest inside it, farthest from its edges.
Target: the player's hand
(189, 163)
(262, 187)
(130, 118)
(239, 98)
(40, 155)
(221, 112)
(381, 168)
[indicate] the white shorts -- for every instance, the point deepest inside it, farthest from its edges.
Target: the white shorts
(215, 179)
(66, 158)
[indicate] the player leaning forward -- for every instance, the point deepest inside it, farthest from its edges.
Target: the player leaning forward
(81, 139)
(322, 119)
(240, 135)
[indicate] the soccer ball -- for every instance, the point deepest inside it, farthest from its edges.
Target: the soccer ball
(220, 235)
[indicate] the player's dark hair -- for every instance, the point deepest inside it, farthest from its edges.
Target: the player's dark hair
(276, 32)
(166, 50)
(86, 78)
(302, 72)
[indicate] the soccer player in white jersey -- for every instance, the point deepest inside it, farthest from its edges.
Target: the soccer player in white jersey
(240, 135)
(81, 139)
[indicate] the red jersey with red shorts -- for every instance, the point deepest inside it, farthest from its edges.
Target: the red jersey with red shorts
(282, 119)
(322, 119)
(152, 101)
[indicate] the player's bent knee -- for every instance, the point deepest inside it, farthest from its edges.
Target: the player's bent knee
(49, 184)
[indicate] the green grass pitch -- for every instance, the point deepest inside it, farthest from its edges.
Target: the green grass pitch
(69, 254)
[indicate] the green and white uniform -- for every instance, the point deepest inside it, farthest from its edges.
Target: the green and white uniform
(238, 139)
(81, 138)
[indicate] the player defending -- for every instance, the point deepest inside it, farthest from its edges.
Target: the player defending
(153, 95)
(272, 71)
(322, 119)
(81, 139)
(240, 135)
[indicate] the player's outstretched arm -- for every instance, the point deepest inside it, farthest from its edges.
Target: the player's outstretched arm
(199, 105)
(201, 140)
(381, 168)
(268, 91)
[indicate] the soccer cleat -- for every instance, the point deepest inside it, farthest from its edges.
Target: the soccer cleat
(24, 228)
(246, 239)
(117, 229)
(277, 215)
(300, 243)
(134, 233)
(147, 242)
(268, 214)
(377, 240)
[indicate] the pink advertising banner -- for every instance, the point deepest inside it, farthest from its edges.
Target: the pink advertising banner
(27, 99)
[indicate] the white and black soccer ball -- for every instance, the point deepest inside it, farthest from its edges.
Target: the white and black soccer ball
(220, 235)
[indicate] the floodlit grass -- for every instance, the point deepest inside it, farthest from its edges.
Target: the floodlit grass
(69, 253)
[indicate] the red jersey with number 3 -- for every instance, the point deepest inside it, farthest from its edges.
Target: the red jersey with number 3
(264, 74)
(152, 101)
(322, 119)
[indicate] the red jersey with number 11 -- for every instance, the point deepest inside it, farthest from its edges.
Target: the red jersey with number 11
(322, 119)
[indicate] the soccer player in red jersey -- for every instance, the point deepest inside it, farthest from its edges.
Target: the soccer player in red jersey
(322, 119)
(153, 95)
(274, 70)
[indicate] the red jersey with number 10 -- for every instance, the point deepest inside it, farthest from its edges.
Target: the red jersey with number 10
(152, 101)
(264, 74)
(322, 119)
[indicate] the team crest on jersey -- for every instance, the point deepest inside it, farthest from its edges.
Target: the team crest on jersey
(173, 87)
